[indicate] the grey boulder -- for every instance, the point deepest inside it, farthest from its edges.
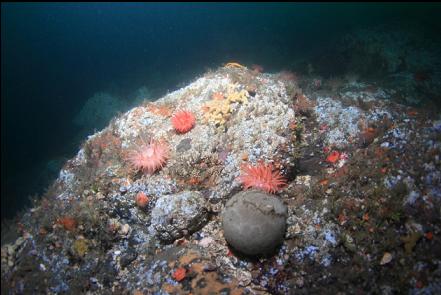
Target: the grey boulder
(254, 222)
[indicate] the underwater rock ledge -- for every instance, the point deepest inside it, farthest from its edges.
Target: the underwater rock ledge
(362, 192)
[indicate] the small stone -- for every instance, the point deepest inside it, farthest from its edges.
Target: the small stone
(179, 214)
(19, 241)
(124, 230)
(216, 208)
(209, 267)
(184, 145)
(349, 243)
(300, 282)
(205, 242)
(387, 257)
(10, 249)
(410, 241)
(128, 258)
(244, 277)
(80, 247)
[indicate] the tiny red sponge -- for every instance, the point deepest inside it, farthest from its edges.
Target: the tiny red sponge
(183, 121)
(333, 157)
(179, 274)
(141, 199)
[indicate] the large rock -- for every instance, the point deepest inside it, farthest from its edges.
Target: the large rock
(175, 215)
(254, 222)
(98, 111)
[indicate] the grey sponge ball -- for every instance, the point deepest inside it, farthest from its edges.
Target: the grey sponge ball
(254, 222)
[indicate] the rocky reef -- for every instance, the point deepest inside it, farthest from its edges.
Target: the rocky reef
(362, 196)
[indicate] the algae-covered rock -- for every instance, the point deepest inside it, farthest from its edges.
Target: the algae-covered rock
(254, 222)
(80, 247)
(175, 215)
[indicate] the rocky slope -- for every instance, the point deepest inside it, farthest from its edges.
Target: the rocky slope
(363, 196)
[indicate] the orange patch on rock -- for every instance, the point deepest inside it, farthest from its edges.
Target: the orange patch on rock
(323, 182)
(179, 274)
(367, 136)
(189, 257)
(159, 110)
(68, 223)
(194, 181)
(141, 199)
(366, 217)
(429, 235)
(342, 219)
(333, 157)
(292, 125)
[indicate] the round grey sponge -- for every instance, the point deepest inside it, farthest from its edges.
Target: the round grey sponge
(254, 222)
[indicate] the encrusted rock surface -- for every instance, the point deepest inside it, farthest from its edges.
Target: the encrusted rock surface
(176, 215)
(362, 196)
